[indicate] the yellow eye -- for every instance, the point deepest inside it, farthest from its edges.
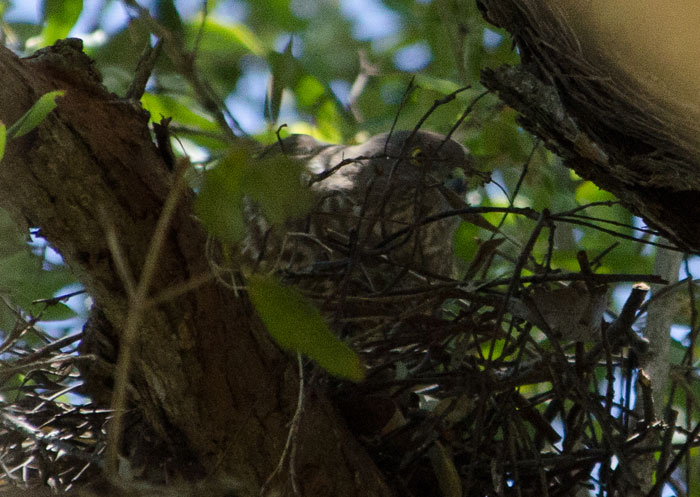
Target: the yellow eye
(417, 157)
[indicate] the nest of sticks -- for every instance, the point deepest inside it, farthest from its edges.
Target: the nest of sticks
(480, 384)
(490, 384)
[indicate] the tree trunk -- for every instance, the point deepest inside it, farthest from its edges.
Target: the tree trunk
(616, 121)
(205, 374)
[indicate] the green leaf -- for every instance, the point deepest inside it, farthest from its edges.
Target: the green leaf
(220, 203)
(444, 86)
(308, 91)
(272, 182)
(26, 277)
(502, 137)
(285, 73)
(220, 51)
(59, 18)
(168, 106)
(56, 312)
(464, 241)
(34, 116)
(225, 38)
(444, 467)
(246, 38)
(168, 16)
(329, 121)
(588, 192)
(297, 325)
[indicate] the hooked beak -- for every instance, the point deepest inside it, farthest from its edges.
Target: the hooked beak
(456, 181)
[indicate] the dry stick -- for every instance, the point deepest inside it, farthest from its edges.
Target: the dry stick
(461, 212)
(464, 115)
(667, 446)
(404, 99)
(200, 30)
(367, 70)
(541, 223)
(661, 480)
(598, 258)
(173, 292)
(646, 231)
(122, 267)
(144, 68)
(15, 334)
(515, 279)
(665, 291)
(138, 302)
(47, 349)
(408, 141)
(614, 233)
(600, 278)
(290, 444)
(620, 330)
(656, 363)
(436, 103)
(48, 363)
(516, 190)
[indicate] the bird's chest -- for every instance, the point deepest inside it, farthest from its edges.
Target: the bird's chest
(399, 226)
(373, 235)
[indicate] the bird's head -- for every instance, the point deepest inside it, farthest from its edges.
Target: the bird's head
(406, 161)
(395, 164)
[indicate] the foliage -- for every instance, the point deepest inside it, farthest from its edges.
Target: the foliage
(35, 115)
(296, 324)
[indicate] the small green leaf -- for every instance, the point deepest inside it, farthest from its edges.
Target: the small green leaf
(308, 91)
(428, 82)
(220, 203)
(285, 73)
(274, 182)
(588, 191)
(3, 139)
(464, 241)
(247, 38)
(168, 16)
(181, 113)
(329, 121)
(297, 325)
(59, 18)
(34, 116)
(170, 107)
(55, 312)
(26, 276)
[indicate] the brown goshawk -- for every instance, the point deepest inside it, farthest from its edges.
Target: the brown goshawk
(376, 213)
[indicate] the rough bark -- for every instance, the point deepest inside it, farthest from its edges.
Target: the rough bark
(608, 126)
(207, 377)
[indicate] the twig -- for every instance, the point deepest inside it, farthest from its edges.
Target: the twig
(138, 298)
(143, 70)
(290, 444)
